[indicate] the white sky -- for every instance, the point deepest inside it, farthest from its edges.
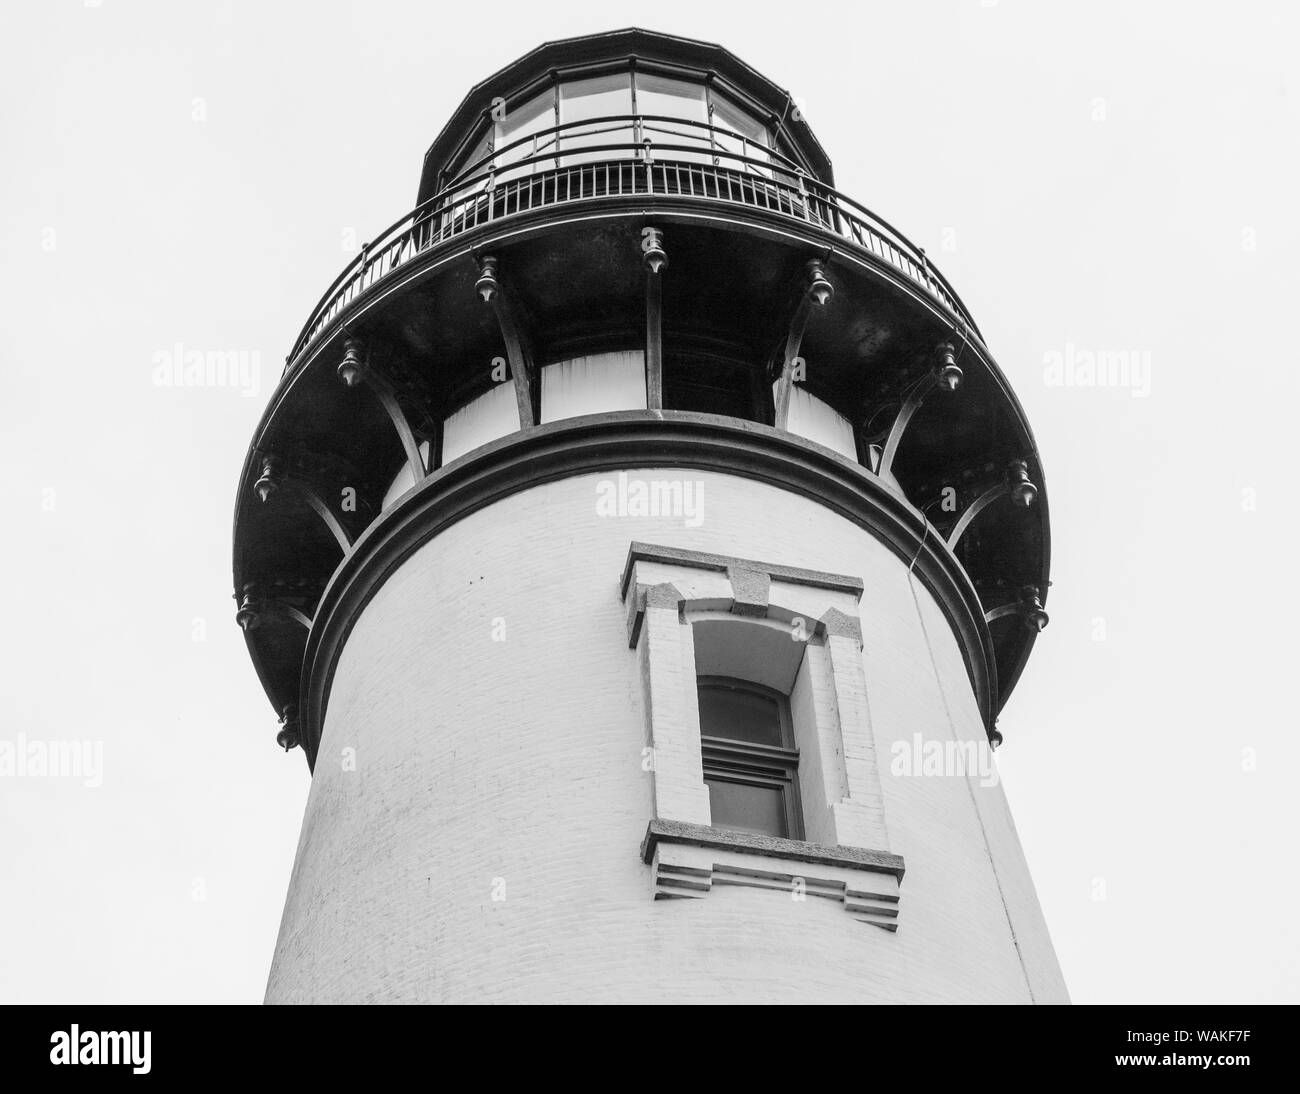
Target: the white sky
(1114, 176)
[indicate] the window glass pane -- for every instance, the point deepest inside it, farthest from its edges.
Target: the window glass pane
(526, 119)
(598, 97)
(675, 99)
(745, 808)
(729, 116)
(465, 204)
(731, 124)
(738, 715)
(477, 159)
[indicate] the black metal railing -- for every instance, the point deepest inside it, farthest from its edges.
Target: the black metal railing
(586, 160)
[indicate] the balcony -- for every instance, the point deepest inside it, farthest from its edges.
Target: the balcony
(626, 159)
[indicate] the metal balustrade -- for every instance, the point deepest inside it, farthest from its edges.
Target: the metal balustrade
(670, 158)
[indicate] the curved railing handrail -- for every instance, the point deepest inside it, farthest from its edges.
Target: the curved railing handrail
(642, 167)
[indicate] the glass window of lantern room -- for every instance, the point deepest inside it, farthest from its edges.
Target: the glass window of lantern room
(475, 161)
(532, 118)
(585, 102)
(663, 96)
(737, 133)
(465, 204)
(750, 762)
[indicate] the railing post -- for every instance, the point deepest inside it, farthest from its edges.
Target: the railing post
(925, 272)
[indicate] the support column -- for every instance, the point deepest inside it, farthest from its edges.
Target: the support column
(518, 350)
(816, 290)
(656, 261)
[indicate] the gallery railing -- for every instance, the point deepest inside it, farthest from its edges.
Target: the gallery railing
(627, 155)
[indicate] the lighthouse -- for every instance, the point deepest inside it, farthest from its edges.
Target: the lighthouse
(639, 547)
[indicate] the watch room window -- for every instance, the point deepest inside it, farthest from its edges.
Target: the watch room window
(750, 762)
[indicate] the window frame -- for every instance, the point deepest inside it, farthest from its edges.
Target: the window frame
(749, 764)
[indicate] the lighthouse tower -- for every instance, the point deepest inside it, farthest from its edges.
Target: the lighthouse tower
(639, 547)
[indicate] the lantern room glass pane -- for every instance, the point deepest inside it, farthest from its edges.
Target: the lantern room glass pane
(661, 95)
(466, 203)
(528, 119)
(674, 98)
(739, 133)
(479, 156)
(584, 101)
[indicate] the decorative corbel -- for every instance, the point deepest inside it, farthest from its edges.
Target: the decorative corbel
(1015, 485)
(498, 297)
(1028, 605)
(273, 477)
(352, 370)
(816, 291)
(249, 615)
(255, 609)
(288, 736)
(946, 376)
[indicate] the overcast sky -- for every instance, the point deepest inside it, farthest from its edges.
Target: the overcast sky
(1092, 177)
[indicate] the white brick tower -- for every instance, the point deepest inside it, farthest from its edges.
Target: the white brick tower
(640, 545)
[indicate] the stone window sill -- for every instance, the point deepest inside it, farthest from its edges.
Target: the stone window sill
(687, 860)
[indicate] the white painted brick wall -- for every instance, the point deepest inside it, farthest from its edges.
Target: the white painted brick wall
(517, 764)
